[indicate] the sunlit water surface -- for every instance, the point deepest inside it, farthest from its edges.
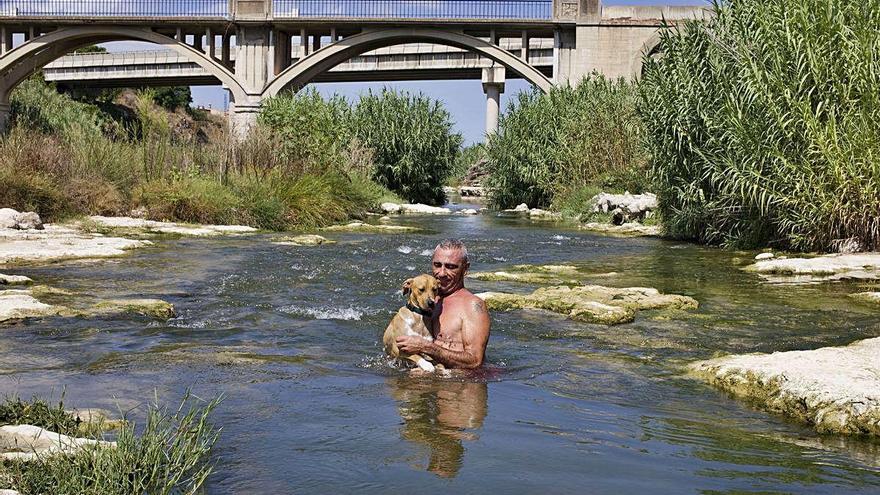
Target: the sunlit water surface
(291, 337)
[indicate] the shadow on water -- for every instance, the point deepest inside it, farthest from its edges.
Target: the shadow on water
(440, 415)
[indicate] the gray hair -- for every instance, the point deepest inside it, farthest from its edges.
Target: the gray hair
(456, 245)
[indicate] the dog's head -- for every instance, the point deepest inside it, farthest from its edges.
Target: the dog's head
(421, 292)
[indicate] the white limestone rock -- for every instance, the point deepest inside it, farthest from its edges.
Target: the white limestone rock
(628, 229)
(414, 209)
(8, 218)
(303, 240)
(834, 389)
(170, 227)
(12, 219)
(764, 256)
(28, 443)
(471, 192)
(16, 305)
(868, 297)
(633, 204)
(14, 279)
(58, 243)
(468, 211)
(820, 268)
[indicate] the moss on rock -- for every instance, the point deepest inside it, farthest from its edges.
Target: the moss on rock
(590, 303)
(370, 228)
(303, 240)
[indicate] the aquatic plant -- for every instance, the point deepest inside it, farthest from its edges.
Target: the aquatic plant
(550, 146)
(762, 123)
(170, 455)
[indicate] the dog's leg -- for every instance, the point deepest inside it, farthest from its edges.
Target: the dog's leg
(422, 363)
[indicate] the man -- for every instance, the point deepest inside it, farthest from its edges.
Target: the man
(460, 320)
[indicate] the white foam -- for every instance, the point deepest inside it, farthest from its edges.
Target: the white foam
(404, 249)
(427, 252)
(325, 313)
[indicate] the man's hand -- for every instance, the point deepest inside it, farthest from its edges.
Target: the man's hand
(412, 345)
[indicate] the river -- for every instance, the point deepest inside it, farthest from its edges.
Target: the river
(291, 337)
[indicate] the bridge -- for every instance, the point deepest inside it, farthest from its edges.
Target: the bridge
(259, 48)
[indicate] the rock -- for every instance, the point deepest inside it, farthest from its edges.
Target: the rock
(414, 209)
(834, 389)
(98, 419)
(868, 297)
(468, 211)
(169, 227)
(848, 246)
(155, 308)
(764, 256)
(590, 303)
(29, 221)
(58, 243)
(522, 207)
(28, 443)
(628, 229)
(303, 240)
(140, 212)
(390, 207)
(471, 192)
(631, 205)
(532, 274)
(9, 492)
(8, 218)
(16, 305)
(365, 227)
(543, 214)
(14, 280)
(11, 219)
(820, 268)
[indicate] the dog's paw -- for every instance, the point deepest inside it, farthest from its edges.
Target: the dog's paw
(425, 365)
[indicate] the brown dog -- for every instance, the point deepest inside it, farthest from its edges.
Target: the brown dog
(413, 319)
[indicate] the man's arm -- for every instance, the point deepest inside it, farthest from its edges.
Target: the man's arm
(474, 334)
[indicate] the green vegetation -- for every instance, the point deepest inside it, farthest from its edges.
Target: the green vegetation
(763, 125)
(404, 142)
(170, 455)
(551, 147)
(38, 412)
(65, 158)
(465, 161)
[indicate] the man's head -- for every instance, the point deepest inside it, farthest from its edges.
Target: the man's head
(450, 265)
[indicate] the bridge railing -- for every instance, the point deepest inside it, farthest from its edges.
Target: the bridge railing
(115, 8)
(414, 9)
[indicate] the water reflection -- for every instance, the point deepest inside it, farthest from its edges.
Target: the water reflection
(441, 415)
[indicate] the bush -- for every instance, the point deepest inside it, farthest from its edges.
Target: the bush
(190, 199)
(551, 145)
(763, 124)
(414, 145)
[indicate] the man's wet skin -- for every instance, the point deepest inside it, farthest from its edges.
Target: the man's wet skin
(460, 320)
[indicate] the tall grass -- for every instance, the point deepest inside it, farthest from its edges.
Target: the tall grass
(169, 454)
(554, 145)
(763, 124)
(64, 158)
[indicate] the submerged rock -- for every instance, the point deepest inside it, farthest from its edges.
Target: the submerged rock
(155, 308)
(835, 389)
(820, 268)
(28, 443)
(14, 279)
(303, 240)
(532, 274)
(628, 229)
(869, 297)
(590, 303)
(95, 419)
(414, 209)
(366, 227)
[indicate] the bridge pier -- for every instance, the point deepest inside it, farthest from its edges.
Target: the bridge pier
(493, 86)
(5, 113)
(243, 118)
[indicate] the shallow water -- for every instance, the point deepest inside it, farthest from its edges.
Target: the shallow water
(291, 337)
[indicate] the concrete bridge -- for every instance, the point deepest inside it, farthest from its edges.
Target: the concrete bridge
(258, 48)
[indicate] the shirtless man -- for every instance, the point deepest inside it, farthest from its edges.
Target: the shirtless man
(460, 320)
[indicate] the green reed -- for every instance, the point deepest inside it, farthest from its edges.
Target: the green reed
(552, 146)
(763, 127)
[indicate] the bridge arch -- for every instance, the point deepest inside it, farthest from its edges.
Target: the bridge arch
(302, 72)
(23, 60)
(650, 48)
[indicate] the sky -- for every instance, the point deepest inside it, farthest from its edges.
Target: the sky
(464, 99)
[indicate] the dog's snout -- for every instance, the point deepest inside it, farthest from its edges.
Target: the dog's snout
(430, 303)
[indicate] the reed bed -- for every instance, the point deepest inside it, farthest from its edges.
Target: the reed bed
(551, 147)
(763, 127)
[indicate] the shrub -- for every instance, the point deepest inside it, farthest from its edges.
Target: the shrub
(763, 124)
(189, 199)
(573, 137)
(414, 145)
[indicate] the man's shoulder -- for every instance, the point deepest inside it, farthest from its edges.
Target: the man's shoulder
(464, 298)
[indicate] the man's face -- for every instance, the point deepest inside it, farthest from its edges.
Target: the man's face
(449, 269)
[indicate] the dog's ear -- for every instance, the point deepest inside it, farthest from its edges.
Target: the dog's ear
(407, 286)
